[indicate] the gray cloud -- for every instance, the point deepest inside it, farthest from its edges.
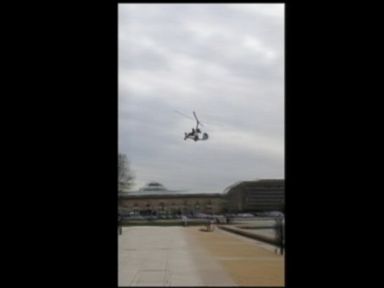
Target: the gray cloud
(225, 61)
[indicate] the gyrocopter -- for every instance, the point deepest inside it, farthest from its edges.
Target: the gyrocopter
(196, 134)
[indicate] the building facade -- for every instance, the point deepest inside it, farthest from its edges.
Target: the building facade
(247, 196)
(256, 196)
(155, 199)
(172, 204)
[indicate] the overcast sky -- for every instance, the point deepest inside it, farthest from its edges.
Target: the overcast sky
(224, 61)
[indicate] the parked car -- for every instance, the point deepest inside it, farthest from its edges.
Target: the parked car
(135, 217)
(245, 215)
(201, 215)
(273, 214)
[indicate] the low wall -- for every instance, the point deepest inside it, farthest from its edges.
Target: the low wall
(270, 240)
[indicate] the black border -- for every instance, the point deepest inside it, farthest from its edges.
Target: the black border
(67, 203)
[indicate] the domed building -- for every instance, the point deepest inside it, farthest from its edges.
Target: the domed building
(246, 196)
(153, 187)
(155, 199)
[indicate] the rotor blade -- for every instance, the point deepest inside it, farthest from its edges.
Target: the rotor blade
(194, 114)
(198, 121)
(189, 117)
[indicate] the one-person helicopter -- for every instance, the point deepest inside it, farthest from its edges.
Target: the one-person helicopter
(196, 133)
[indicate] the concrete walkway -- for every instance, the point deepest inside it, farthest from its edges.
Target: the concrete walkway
(246, 261)
(166, 256)
(188, 256)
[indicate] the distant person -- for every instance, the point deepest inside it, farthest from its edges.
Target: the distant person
(208, 225)
(211, 226)
(279, 233)
(119, 225)
(185, 220)
(228, 219)
(282, 235)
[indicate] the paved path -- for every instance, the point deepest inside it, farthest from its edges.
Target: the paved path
(167, 256)
(246, 261)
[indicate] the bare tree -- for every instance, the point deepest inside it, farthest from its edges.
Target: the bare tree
(125, 182)
(125, 176)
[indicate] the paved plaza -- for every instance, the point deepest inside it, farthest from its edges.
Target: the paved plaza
(190, 256)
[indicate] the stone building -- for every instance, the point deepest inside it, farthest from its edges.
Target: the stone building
(247, 196)
(155, 199)
(256, 196)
